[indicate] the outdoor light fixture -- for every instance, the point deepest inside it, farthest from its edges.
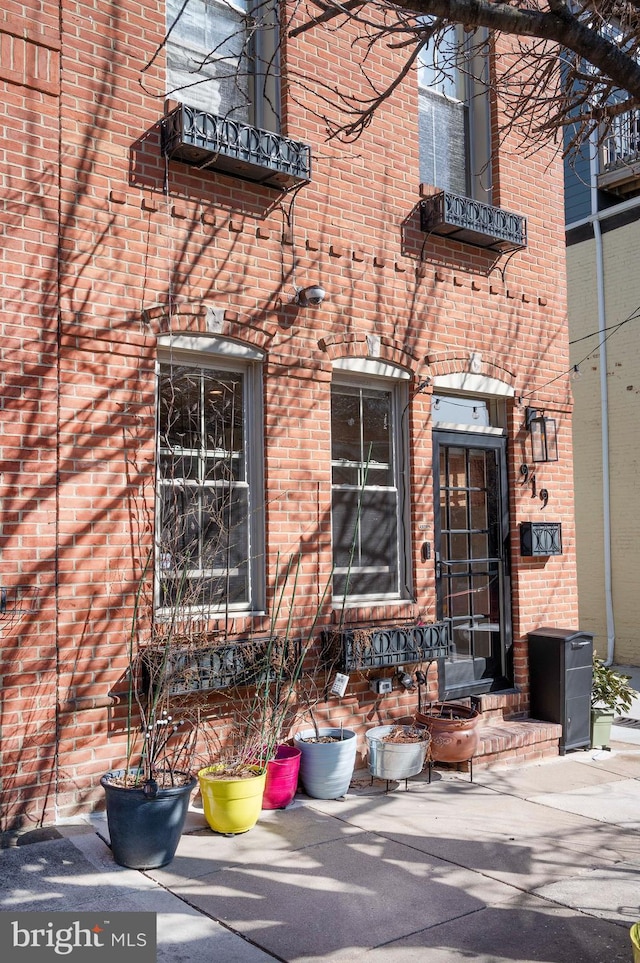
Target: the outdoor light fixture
(544, 437)
(405, 680)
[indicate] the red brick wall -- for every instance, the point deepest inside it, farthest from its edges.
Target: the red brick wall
(143, 250)
(29, 177)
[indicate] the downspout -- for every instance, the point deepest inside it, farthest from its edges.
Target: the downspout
(604, 406)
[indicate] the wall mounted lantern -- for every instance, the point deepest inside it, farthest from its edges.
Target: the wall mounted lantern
(544, 437)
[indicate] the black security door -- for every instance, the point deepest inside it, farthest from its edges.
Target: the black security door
(472, 562)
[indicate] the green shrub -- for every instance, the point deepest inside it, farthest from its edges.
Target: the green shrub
(610, 689)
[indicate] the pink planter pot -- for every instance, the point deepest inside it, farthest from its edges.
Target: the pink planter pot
(282, 778)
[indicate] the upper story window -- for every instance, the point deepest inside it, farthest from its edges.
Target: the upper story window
(222, 57)
(208, 520)
(367, 501)
(454, 124)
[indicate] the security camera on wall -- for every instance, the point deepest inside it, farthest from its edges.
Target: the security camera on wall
(314, 294)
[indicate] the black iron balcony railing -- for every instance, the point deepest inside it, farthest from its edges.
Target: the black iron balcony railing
(464, 219)
(368, 647)
(205, 140)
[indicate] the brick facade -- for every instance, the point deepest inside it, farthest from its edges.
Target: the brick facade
(107, 247)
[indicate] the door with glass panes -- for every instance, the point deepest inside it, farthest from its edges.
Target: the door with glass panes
(472, 561)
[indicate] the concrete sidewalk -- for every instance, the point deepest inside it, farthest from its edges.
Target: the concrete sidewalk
(536, 863)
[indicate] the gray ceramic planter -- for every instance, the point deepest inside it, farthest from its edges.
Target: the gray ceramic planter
(326, 767)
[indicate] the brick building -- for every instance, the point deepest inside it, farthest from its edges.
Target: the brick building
(160, 236)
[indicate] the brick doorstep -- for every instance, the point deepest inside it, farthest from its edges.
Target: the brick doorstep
(512, 742)
(509, 741)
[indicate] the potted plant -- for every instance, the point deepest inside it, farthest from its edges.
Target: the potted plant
(256, 768)
(327, 761)
(610, 693)
(453, 729)
(148, 798)
(233, 785)
(232, 795)
(397, 752)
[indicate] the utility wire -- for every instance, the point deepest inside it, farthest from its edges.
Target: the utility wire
(612, 329)
(594, 334)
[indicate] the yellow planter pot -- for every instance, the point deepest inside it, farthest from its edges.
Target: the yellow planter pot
(231, 804)
(635, 941)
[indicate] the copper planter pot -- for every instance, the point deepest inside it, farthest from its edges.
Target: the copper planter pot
(454, 731)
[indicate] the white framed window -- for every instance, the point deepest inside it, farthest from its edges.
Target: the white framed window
(222, 57)
(368, 501)
(454, 121)
(209, 524)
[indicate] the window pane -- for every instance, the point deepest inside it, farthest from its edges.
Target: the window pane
(180, 408)
(224, 529)
(458, 546)
(376, 430)
(442, 131)
(203, 517)
(478, 510)
(365, 508)
(372, 543)
(477, 469)
(461, 644)
(345, 475)
(457, 468)
(345, 426)
(480, 545)
(344, 528)
(207, 64)
(438, 66)
(378, 530)
(458, 518)
(224, 425)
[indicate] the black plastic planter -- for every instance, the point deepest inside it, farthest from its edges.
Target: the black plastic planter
(145, 830)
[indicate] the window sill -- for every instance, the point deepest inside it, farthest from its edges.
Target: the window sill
(367, 604)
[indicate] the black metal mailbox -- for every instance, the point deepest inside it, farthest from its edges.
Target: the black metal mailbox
(560, 677)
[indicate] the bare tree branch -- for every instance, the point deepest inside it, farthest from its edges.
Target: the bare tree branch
(578, 67)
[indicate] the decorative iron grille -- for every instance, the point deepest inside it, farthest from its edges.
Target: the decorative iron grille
(215, 667)
(364, 647)
(464, 219)
(541, 538)
(206, 140)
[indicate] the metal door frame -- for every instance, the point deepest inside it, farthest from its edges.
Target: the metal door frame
(497, 443)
